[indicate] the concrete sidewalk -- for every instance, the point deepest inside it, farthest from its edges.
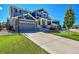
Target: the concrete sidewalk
(54, 44)
(5, 32)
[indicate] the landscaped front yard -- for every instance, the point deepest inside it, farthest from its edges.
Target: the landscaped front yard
(68, 34)
(16, 43)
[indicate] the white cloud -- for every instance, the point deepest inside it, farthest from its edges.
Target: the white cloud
(1, 8)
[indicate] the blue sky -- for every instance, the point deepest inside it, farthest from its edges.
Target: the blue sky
(56, 11)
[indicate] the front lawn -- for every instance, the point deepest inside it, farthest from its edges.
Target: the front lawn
(18, 44)
(68, 34)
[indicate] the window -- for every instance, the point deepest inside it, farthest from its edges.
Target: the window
(55, 22)
(20, 11)
(15, 9)
(49, 22)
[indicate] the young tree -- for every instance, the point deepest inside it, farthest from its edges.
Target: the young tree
(69, 18)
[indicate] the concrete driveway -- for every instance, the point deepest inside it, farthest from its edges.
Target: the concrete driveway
(54, 44)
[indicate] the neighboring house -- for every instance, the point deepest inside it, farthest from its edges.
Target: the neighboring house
(75, 27)
(24, 20)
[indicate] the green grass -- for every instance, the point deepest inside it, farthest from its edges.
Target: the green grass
(18, 44)
(68, 34)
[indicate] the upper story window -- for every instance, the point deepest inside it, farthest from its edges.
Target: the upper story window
(42, 14)
(15, 9)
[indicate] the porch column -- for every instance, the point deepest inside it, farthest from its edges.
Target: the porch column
(36, 23)
(40, 21)
(45, 21)
(51, 22)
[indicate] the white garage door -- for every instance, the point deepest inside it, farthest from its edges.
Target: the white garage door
(26, 27)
